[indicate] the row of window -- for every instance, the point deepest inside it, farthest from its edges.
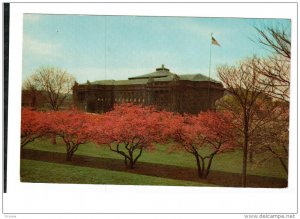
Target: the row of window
(122, 100)
(129, 100)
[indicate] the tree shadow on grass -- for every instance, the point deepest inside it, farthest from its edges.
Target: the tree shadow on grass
(219, 178)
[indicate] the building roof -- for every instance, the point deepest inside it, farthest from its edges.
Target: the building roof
(196, 77)
(161, 74)
(120, 82)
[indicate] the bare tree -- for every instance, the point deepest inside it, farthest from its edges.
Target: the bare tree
(275, 70)
(276, 40)
(230, 103)
(242, 82)
(275, 73)
(271, 138)
(55, 83)
(29, 86)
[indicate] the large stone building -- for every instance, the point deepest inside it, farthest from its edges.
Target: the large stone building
(185, 93)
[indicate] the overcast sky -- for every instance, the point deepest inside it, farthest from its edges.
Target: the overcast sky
(117, 47)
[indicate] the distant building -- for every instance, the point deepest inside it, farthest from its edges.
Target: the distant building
(185, 93)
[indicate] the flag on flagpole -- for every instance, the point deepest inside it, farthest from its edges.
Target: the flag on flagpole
(214, 41)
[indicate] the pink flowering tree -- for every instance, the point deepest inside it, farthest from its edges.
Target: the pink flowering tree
(33, 125)
(212, 131)
(74, 127)
(129, 130)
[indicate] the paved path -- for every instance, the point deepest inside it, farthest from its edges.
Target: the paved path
(160, 170)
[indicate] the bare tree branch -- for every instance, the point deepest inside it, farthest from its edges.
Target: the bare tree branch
(54, 82)
(277, 40)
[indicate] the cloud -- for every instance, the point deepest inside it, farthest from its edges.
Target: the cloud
(31, 17)
(37, 48)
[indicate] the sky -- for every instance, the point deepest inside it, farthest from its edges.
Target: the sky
(117, 47)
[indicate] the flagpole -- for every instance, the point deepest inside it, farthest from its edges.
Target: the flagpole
(210, 55)
(209, 71)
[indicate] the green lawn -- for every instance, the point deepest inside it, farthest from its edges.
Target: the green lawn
(43, 172)
(228, 162)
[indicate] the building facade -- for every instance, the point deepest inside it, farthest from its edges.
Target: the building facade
(163, 89)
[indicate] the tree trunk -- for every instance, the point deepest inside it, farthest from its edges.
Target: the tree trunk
(70, 151)
(138, 156)
(199, 170)
(131, 158)
(250, 153)
(69, 156)
(128, 160)
(209, 165)
(245, 151)
(129, 163)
